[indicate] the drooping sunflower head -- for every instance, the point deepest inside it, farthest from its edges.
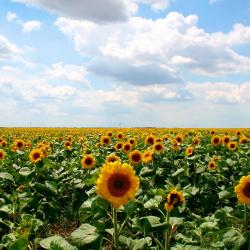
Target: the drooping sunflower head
(158, 147)
(189, 151)
(2, 154)
(243, 140)
(36, 155)
(147, 156)
(126, 147)
(232, 145)
(88, 161)
(117, 183)
(212, 165)
(179, 138)
(105, 140)
(135, 157)
(174, 198)
(196, 141)
(216, 140)
(150, 139)
(243, 190)
(112, 158)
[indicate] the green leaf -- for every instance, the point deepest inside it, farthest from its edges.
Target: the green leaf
(207, 226)
(6, 176)
(153, 202)
(140, 244)
(227, 193)
(20, 244)
(57, 240)
(179, 171)
(233, 239)
(25, 171)
(176, 221)
(85, 235)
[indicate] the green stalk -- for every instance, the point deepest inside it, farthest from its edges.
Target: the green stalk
(167, 235)
(245, 218)
(115, 228)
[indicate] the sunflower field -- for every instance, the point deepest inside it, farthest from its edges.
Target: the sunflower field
(118, 188)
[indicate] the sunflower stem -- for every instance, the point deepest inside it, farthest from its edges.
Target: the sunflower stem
(167, 235)
(245, 218)
(115, 229)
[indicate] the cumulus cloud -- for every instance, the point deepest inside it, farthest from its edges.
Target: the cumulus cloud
(69, 72)
(94, 10)
(30, 26)
(10, 16)
(168, 46)
(8, 50)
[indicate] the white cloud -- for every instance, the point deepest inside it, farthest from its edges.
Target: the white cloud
(30, 26)
(173, 45)
(11, 16)
(8, 50)
(94, 10)
(69, 72)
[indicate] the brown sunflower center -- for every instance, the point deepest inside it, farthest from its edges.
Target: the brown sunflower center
(246, 190)
(118, 184)
(150, 140)
(158, 147)
(226, 140)
(19, 144)
(119, 145)
(88, 161)
(106, 140)
(136, 157)
(232, 145)
(174, 199)
(36, 156)
(127, 147)
(216, 140)
(178, 139)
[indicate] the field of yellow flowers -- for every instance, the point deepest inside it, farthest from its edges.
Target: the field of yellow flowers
(118, 188)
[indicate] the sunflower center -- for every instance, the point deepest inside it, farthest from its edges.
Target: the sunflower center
(118, 184)
(246, 190)
(158, 147)
(150, 140)
(19, 144)
(136, 157)
(36, 156)
(174, 199)
(232, 145)
(88, 161)
(216, 140)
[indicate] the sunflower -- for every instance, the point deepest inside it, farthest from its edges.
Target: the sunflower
(19, 144)
(189, 151)
(2, 154)
(109, 133)
(118, 146)
(232, 145)
(132, 141)
(158, 147)
(88, 161)
(147, 156)
(150, 139)
(212, 165)
(196, 141)
(112, 158)
(243, 190)
(179, 138)
(120, 136)
(3, 144)
(36, 155)
(226, 139)
(117, 183)
(126, 147)
(243, 140)
(67, 145)
(216, 140)
(174, 198)
(135, 157)
(105, 140)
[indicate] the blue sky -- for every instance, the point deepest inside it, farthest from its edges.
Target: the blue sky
(164, 63)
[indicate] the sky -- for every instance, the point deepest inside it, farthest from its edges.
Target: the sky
(125, 63)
